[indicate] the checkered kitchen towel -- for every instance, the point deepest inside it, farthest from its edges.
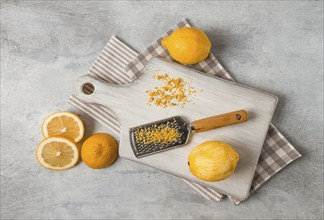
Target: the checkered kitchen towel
(277, 152)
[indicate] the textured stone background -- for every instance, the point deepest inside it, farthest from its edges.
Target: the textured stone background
(46, 45)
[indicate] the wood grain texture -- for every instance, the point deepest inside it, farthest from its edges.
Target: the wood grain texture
(217, 97)
(219, 121)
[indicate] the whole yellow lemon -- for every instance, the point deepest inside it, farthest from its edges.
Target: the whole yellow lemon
(99, 150)
(187, 45)
(212, 161)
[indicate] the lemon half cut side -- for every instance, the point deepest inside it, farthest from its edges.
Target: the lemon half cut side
(57, 153)
(63, 124)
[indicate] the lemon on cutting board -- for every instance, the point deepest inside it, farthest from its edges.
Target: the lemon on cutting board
(212, 161)
(63, 124)
(57, 153)
(187, 45)
(99, 150)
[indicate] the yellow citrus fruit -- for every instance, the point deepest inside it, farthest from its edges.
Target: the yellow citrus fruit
(57, 153)
(187, 45)
(99, 150)
(212, 161)
(63, 124)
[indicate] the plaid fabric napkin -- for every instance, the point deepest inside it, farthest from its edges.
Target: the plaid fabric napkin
(277, 152)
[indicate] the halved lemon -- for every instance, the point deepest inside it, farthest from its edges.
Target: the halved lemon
(64, 124)
(57, 153)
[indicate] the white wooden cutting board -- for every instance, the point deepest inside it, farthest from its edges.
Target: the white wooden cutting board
(218, 96)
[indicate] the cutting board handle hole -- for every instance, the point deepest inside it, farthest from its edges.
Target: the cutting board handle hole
(88, 88)
(238, 117)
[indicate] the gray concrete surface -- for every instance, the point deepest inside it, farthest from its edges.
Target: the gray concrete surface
(46, 45)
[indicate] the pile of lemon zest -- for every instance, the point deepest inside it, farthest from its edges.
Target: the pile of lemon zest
(173, 92)
(162, 134)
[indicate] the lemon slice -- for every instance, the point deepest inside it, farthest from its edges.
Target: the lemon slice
(57, 153)
(64, 124)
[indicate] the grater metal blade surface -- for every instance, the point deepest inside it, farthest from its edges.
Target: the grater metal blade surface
(141, 149)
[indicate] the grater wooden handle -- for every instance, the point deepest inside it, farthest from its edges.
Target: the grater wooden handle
(220, 121)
